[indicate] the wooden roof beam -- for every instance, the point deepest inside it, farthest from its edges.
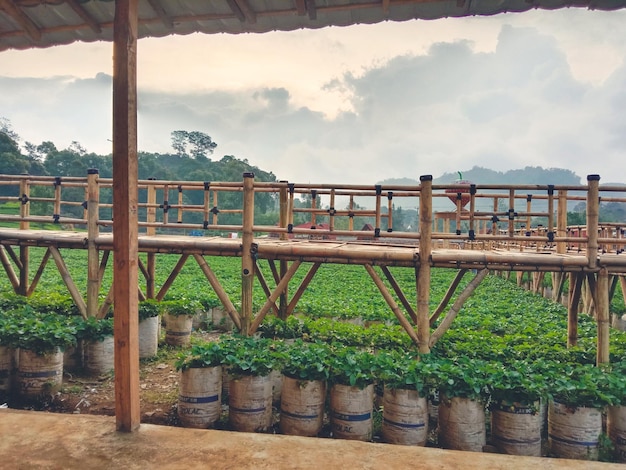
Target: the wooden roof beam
(385, 5)
(248, 12)
(161, 13)
(87, 18)
(21, 19)
(236, 10)
(301, 7)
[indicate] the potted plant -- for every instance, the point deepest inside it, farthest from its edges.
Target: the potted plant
(149, 322)
(200, 387)
(41, 340)
(405, 408)
(463, 392)
(305, 371)
(178, 316)
(518, 390)
(249, 362)
(578, 396)
(352, 393)
(98, 345)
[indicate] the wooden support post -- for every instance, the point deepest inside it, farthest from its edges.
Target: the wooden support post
(593, 213)
(8, 268)
(398, 290)
(93, 257)
(602, 315)
(172, 277)
(266, 288)
(575, 288)
(39, 272)
(392, 304)
(446, 323)
(423, 269)
(302, 287)
(247, 263)
(446, 298)
(125, 202)
(69, 282)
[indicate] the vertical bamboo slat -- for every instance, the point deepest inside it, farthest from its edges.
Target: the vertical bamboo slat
(423, 270)
(593, 213)
(93, 257)
(602, 315)
(247, 263)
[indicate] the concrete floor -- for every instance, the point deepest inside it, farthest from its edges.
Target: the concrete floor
(37, 440)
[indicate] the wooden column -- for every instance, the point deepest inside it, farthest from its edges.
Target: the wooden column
(423, 270)
(93, 257)
(125, 245)
(247, 263)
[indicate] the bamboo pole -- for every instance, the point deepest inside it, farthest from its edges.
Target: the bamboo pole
(593, 212)
(266, 289)
(24, 225)
(423, 269)
(125, 203)
(575, 288)
(172, 277)
(8, 268)
(219, 290)
(446, 323)
(283, 221)
(602, 313)
(302, 287)
(68, 281)
(247, 263)
(446, 298)
(392, 304)
(93, 257)
(42, 265)
(396, 287)
(274, 296)
(561, 221)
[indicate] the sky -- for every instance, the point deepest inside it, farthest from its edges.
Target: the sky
(357, 104)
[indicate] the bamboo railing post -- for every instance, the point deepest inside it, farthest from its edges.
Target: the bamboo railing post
(247, 262)
(313, 206)
(389, 211)
(283, 220)
(22, 288)
(602, 315)
(151, 199)
(93, 256)
(378, 210)
(423, 270)
(593, 212)
(351, 216)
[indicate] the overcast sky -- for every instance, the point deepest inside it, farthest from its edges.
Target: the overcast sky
(357, 104)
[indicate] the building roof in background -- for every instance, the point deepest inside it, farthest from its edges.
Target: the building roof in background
(42, 23)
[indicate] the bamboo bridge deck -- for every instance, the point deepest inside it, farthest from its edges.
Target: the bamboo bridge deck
(512, 229)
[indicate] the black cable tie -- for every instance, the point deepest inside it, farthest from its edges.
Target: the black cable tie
(24, 199)
(57, 181)
(459, 196)
(472, 189)
(389, 230)
(332, 211)
(205, 224)
(377, 232)
(472, 235)
(389, 195)
(528, 233)
(289, 228)
(207, 185)
(458, 232)
(180, 188)
(214, 210)
(291, 187)
(495, 219)
(84, 204)
(512, 214)
(550, 237)
(550, 189)
(165, 206)
(313, 193)
(55, 218)
(529, 197)
(351, 214)
(379, 189)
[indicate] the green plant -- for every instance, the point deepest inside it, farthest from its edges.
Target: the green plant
(353, 367)
(401, 370)
(93, 329)
(251, 356)
(306, 361)
(274, 327)
(41, 333)
(517, 382)
(180, 307)
(149, 308)
(579, 385)
(206, 354)
(462, 377)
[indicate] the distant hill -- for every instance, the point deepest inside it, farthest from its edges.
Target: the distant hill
(480, 175)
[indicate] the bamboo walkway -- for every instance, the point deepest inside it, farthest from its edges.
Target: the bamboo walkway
(493, 229)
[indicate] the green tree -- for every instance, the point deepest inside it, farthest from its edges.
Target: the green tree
(194, 144)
